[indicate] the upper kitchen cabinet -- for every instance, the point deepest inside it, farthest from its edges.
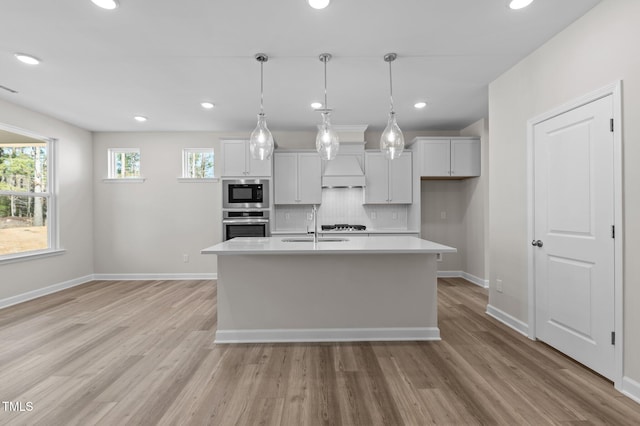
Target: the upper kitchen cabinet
(448, 158)
(388, 181)
(297, 178)
(237, 161)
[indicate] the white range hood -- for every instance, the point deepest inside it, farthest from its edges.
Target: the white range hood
(345, 171)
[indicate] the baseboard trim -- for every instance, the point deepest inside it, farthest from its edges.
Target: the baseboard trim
(631, 389)
(144, 277)
(34, 294)
(508, 320)
(30, 295)
(467, 276)
(328, 335)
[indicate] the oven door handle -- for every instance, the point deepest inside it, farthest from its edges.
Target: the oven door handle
(245, 221)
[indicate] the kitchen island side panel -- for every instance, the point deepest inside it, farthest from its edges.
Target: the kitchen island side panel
(357, 292)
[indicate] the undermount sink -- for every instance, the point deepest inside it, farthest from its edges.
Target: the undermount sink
(310, 240)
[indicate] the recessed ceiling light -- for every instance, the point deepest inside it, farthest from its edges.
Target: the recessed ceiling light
(106, 4)
(140, 118)
(27, 59)
(207, 105)
(316, 105)
(318, 4)
(519, 4)
(420, 105)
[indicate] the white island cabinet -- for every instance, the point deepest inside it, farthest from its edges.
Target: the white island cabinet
(388, 181)
(238, 162)
(375, 288)
(297, 178)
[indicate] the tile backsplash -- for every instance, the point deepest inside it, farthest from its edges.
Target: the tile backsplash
(341, 205)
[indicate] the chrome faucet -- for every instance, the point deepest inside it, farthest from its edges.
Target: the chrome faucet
(315, 223)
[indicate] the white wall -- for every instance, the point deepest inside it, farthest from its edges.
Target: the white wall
(476, 211)
(597, 49)
(75, 206)
(465, 206)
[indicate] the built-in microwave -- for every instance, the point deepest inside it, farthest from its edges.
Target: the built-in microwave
(245, 194)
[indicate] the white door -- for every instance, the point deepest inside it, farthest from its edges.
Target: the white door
(574, 246)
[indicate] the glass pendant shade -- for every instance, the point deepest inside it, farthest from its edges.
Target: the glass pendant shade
(261, 140)
(392, 139)
(327, 142)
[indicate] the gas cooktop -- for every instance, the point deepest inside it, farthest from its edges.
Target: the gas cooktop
(343, 227)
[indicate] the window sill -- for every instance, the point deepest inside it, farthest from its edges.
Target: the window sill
(31, 255)
(124, 180)
(198, 180)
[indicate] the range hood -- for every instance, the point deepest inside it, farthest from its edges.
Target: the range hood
(344, 171)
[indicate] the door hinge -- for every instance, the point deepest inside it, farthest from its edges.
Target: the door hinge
(611, 124)
(613, 231)
(613, 337)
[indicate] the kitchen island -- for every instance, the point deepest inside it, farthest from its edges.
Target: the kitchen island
(280, 289)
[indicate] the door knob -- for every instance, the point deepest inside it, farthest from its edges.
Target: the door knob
(536, 243)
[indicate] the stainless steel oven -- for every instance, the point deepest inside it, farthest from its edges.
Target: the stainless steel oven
(245, 223)
(245, 194)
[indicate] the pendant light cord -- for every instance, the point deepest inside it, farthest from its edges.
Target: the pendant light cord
(390, 88)
(326, 106)
(261, 89)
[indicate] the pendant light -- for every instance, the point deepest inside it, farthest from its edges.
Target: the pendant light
(261, 140)
(392, 140)
(327, 142)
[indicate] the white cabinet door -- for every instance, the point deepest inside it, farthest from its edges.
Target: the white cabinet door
(257, 168)
(436, 157)
(455, 158)
(234, 157)
(298, 178)
(309, 178)
(400, 179)
(376, 190)
(465, 157)
(285, 180)
(237, 161)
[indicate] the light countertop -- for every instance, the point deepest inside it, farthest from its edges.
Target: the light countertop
(370, 245)
(368, 231)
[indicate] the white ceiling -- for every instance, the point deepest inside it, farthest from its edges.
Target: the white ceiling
(161, 58)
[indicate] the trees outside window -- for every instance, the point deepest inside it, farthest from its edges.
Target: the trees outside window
(124, 163)
(197, 163)
(25, 196)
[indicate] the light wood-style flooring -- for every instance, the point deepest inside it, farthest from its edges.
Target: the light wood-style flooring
(142, 352)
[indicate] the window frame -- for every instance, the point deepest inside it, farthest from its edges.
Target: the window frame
(111, 165)
(185, 177)
(48, 192)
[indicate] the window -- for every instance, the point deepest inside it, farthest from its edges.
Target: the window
(197, 163)
(124, 163)
(27, 225)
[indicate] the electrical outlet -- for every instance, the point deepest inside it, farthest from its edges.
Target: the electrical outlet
(394, 215)
(443, 215)
(185, 258)
(309, 216)
(287, 216)
(374, 215)
(499, 285)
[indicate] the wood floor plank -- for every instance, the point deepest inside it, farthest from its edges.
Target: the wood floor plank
(142, 352)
